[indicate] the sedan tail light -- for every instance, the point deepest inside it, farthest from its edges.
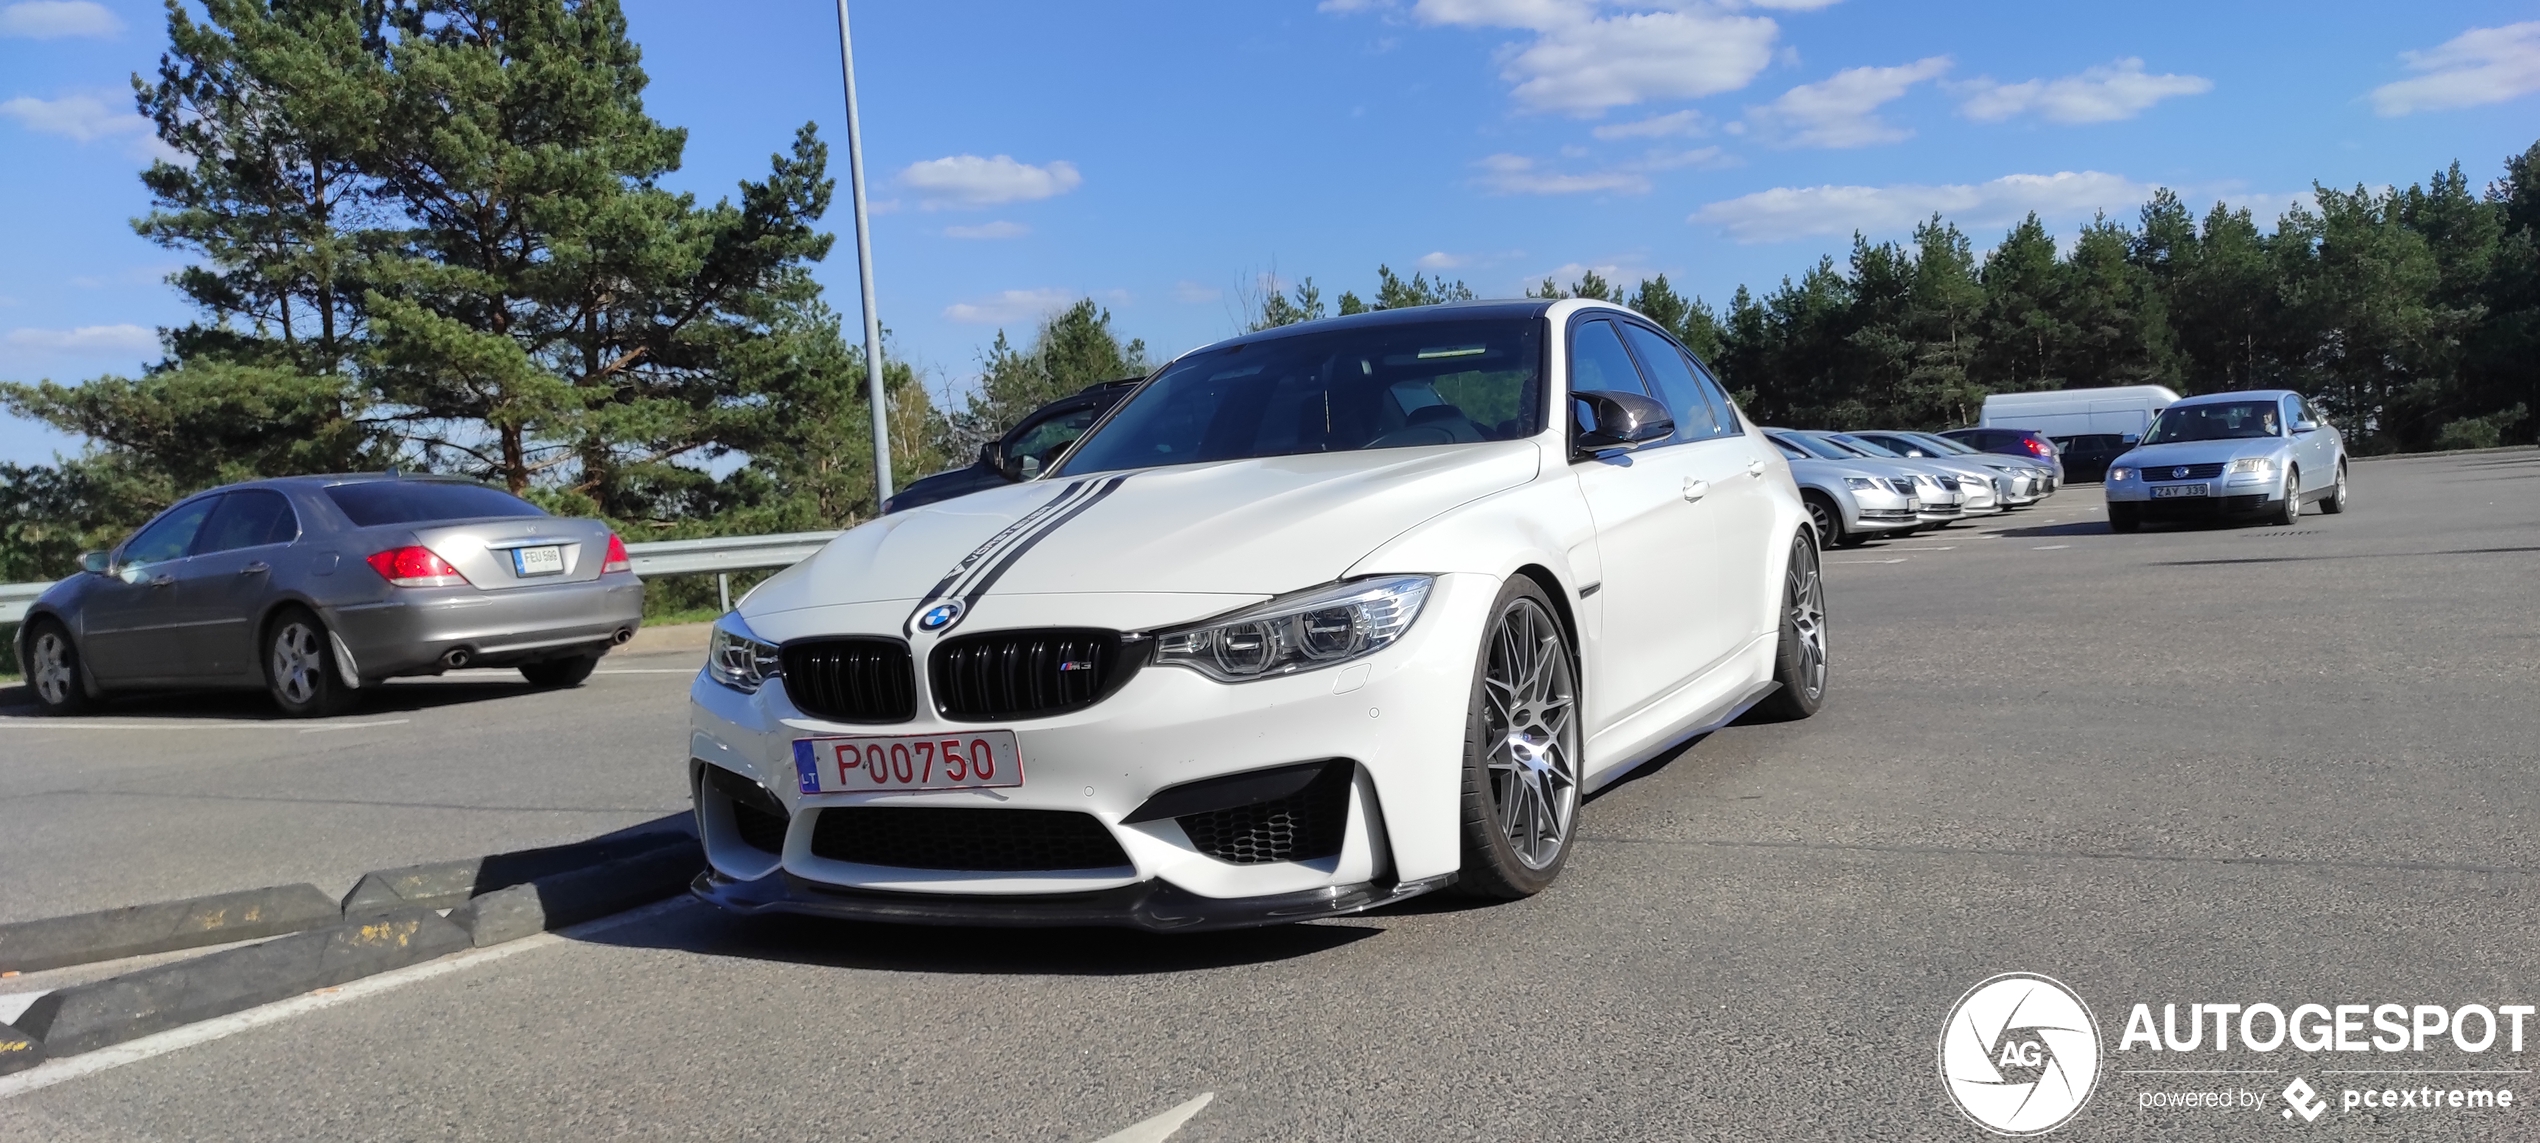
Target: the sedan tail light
(616, 561)
(2035, 447)
(415, 566)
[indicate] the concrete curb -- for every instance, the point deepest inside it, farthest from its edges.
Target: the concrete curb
(51, 942)
(86, 1017)
(18, 1051)
(582, 895)
(449, 884)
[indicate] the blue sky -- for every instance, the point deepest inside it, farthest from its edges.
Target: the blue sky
(1163, 157)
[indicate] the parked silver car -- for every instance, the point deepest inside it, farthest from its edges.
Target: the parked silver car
(1937, 498)
(1849, 504)
(2263, 452)
(312, 587)
(2020, 484)
(1980, 488)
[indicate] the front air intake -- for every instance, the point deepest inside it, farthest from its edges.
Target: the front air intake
(851, 680)
(1001, 675)
(969, 840)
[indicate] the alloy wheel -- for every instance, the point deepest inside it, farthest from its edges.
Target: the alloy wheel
(54, 677)
(298, 662)
(1531, 716)
(1806, 593)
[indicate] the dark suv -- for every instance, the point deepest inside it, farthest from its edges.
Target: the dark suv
(2027, 444)
(2088, 455)
(1027, 448)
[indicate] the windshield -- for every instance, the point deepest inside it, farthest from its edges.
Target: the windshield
(1813, 447)
(2218, 421)
(1868, 446)
(1835, 448)
(1946, 445)
(1371, 387)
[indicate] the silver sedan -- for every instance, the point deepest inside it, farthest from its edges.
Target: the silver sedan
(312, 587)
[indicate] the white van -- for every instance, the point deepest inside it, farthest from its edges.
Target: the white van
(2123, 410)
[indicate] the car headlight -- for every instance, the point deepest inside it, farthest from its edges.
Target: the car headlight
(736, 657)
(1862, 484)
(2119, 473)
(2257, 464)
(1300, 632)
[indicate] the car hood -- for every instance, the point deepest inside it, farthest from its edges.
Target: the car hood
(1249, 527)
(2200, 452)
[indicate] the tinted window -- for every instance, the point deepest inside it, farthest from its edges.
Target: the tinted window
(1039, 443)
(1368, 387)
(246, 519)
(1812, 447)
(1598, 363)
(1861, 445)
(1696, 418)
(1788, 451)
(1719, 397)
(168, 536)
(420, 501)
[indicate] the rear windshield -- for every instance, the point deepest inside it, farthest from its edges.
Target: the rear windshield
(422, 501)
(1390, 386)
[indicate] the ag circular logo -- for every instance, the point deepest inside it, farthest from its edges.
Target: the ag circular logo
(2020, 1054)
(940, 616)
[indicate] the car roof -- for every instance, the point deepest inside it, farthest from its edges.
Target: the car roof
(1408, 315)
(2236, 395)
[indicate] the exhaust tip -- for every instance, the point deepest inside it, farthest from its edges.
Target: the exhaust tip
(623, 634)
(455, 658)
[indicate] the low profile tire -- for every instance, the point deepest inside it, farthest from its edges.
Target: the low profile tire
(2124, 518)
(1521, 750)
(300, 670)
(53, 669)
(2290, 512)
(2336, 500)
(1799, 663)
(560, 673)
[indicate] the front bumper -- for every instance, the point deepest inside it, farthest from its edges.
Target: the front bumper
(1396, 716)
(1154, 905)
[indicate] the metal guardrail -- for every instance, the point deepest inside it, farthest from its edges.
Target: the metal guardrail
(720, 555)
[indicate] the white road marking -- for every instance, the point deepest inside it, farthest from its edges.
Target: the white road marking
(2050, 547)
(58, 723)
(1161, 1127)
(1897, 560)
(646, 671)
(51, 1072)
(1947, 548)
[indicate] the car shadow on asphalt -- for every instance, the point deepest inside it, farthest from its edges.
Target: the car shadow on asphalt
(252, 706)
(827, 943)
(2076, 528)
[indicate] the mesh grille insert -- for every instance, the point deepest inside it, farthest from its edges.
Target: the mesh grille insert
(938, 837)
(851, 680)
(1028, 674)
(1300, 827)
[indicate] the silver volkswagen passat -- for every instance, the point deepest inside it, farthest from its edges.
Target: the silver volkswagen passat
(312, 587)
(2262, 453)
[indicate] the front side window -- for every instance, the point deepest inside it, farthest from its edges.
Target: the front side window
(169, 536)
(1368, 387)
(2216, 421)
(1038, 444)
(1696, 417)
(248, 518)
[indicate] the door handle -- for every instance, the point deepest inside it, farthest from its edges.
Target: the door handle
(257, 568)
(162, 579)
(1696, 489)
(1755, 468)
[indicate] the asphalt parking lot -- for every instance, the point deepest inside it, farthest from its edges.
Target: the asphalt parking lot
(2193, 765)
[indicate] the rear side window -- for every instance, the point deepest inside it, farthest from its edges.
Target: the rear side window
(422, 501)
(248, 518)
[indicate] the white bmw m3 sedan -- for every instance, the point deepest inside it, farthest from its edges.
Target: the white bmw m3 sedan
(1318, 619)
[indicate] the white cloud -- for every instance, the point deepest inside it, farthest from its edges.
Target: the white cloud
(1517, 174)
(1843, 111)
(88, 117)
(971, 181)
(1794, 5)
(2479, 66)
(1657, 127)
(126, 338)
(1588, 67)
(1441, 260)
(1011, 306)
(1622, 274)
(58, 19)
(1699, 158)
(1192, 293)
(997, 229)
(1785, 213)
(2098, 95)
(1538, 15)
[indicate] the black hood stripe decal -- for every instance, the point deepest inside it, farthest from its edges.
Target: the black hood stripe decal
(971, 578)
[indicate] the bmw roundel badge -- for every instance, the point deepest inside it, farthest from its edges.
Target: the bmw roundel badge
(940, 616)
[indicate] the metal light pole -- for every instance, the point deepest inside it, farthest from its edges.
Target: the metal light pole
(864, 273)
